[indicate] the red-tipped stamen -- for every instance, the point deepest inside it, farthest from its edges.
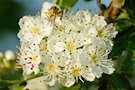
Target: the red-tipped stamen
(29, 47)
(32, 67)
(105, 19)
(110, 29)
(20, 65)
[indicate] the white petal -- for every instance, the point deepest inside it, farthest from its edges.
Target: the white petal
(96, 70)
(107, 70)
(89, 76)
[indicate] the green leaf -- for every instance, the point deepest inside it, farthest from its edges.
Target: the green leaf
(128, 66)
(122, 16)
(33, 75)
(66, 4)
(122, 24)
(19, 87)
(118, 82)
(5, 83)
(124, 41)
(75, 87)
(129, 5)
(14, 76)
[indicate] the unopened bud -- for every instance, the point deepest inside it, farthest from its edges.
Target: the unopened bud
(9, 55)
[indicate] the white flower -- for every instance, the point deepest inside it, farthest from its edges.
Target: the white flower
(63, 24)
(70, 43)
(29, 58)
(51, 70)
(9, 55)
(81, 20)
(98, 21)
(75, 71)
(97, 59)
(66, 46)
(36, 84)
(34, 29)
(100, 33)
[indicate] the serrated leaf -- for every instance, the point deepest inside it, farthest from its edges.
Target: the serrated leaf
(66, 4)
(75, 87)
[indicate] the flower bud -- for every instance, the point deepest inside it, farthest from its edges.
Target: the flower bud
(9, 55)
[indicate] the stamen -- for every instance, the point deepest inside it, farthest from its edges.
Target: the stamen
(105, 19)
(30, 57)
(28, 62)
(20, 65)
(29, 47)
(113, 42)
(110, 29)
(32, 67)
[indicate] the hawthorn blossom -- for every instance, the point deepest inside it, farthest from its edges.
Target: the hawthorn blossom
(34, 29)
(52, 71)
(100, 33)
(96, 58)
(81, 20)
(74, 72)
(29, 58)
(36, 84)
(64, 47)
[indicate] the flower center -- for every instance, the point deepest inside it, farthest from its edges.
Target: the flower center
(51, 68)
(33, 59)
(76, 72)
(63, 28)
(101, 33)
(94, 59)
(70, 47)
(43, 45)
(36, 30)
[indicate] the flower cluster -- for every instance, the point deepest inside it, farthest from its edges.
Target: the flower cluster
(65, 47)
